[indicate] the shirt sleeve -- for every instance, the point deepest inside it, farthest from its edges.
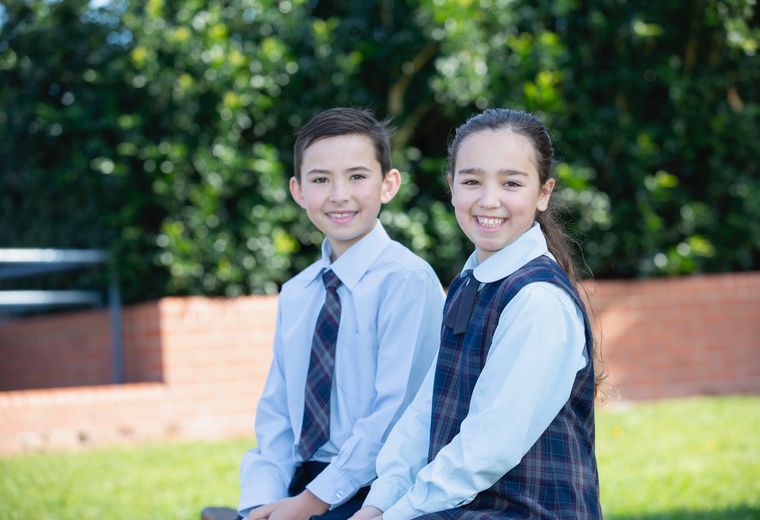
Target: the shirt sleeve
(537, 349)
(408, 329)
(266, 471)
(405, 451)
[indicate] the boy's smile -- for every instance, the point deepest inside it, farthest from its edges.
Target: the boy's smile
(342, 188)
(342, 217)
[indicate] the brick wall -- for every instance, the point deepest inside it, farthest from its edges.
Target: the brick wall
(74, 349)
(195, 366)
(679, 337)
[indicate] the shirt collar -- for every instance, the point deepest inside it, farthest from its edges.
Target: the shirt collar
(354, 262)
(509, 259)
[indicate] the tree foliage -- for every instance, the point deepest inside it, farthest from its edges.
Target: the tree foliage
(163, 130)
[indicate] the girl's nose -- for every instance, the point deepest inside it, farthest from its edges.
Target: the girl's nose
(489, 197)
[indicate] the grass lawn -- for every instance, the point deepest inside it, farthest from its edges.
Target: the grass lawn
(687, 459)
(696, 459)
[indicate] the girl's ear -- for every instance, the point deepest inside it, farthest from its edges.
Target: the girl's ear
(296, 193)
(545, 195)
(450, 181)
(390, 186)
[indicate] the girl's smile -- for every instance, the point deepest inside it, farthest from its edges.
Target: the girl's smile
(490, 222)
(495, 189)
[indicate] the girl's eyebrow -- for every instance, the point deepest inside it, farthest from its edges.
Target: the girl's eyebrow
(501, 173)
(471, 171)
(509, 173)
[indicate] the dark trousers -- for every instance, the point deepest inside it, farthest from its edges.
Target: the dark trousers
(307, 472)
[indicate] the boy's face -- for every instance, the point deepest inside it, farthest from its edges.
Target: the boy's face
(342, 188)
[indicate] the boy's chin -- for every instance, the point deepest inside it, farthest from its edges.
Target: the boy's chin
(342, 241)
(346, 238)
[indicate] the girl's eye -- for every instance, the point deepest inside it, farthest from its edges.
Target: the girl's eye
(512, 184)
(358, 177)
(470, 182)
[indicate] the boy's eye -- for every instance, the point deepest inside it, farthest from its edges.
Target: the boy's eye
(469, 182)
(358, 177)
(319, 180)
(512, 184)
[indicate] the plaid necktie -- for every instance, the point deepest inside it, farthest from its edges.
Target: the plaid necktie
(315, 430)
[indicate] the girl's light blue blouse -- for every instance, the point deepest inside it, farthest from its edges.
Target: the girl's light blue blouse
(537, 349)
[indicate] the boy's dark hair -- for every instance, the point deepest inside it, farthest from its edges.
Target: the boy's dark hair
(343, 121)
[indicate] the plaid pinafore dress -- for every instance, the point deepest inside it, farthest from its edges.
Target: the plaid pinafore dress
(557, 478)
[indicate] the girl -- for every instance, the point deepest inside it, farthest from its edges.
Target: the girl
(503, 426)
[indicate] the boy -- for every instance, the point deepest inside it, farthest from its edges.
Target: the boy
(356, 332)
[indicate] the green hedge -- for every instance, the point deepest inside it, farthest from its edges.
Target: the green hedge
(162, 130)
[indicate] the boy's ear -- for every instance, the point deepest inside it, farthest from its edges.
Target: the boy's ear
(390, 186)
(296, 193)
(450, 180)
(544, 195)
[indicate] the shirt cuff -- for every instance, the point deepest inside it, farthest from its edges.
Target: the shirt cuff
(250, 501)
(401, 510)
(333, 486)
(381, 495)
(259, 483)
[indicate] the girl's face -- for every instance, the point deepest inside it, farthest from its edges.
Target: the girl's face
(495, 189)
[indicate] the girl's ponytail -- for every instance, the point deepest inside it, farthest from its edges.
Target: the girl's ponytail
(557, 241)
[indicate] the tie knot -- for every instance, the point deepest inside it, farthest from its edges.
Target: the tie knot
(331, 280)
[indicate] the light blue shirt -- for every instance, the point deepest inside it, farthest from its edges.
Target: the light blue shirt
(391, 307)
(536, 351)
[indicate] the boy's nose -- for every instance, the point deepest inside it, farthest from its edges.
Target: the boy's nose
(339, 191)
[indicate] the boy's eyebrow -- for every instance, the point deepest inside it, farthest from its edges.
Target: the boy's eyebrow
(501, 173)
(316, 171)
(319, 171)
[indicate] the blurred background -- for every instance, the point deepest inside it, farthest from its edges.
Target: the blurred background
(157, 137)
(162, 131)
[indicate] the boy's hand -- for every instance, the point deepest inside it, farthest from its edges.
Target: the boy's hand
(367, 513)
(299, 507)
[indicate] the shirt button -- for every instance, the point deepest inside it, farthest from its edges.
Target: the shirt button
(339, 495)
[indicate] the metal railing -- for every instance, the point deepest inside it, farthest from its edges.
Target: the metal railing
(21, 263)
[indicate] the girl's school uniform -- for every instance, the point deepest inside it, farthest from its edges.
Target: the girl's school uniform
(503, 426)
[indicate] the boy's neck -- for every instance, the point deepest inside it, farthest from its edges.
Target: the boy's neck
(337, 252)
